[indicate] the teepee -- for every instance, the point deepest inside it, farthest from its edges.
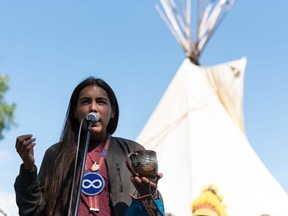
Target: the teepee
(197, 128)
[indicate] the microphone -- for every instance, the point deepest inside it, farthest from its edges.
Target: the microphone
(92, 118)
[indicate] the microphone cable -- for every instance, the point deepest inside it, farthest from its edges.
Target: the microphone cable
(75, 167)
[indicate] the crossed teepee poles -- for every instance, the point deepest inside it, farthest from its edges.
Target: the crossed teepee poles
(209, 16)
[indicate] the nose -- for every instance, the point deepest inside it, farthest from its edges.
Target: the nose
(93, 107)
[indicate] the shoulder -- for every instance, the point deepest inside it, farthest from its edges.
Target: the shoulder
(48, 161)
(130, 144)
(51, 153)
(53, 149)
(126, 141)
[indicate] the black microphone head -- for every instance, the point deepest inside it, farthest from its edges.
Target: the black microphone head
(92, 118)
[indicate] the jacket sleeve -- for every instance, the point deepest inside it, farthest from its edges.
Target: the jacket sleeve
(29, 193)
(146, 206)
(29, 186)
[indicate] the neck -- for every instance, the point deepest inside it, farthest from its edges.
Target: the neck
(98, 137)
(96, 142)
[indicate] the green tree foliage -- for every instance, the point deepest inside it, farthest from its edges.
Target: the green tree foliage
(6, 111)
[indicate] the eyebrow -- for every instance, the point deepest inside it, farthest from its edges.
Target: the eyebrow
(98, 98)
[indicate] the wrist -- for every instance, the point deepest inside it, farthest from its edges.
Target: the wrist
(29, 167)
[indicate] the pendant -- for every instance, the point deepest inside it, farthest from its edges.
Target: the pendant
(92, 184)
(95, 167)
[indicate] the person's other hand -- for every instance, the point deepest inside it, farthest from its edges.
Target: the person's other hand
(144, 186)
(25, 148)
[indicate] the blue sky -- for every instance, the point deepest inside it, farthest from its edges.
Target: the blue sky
(47, 47)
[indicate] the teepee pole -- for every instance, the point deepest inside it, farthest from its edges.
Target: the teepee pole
(210, 13)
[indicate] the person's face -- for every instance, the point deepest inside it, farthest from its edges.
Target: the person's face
(95, 99)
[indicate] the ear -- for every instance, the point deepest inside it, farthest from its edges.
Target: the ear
(112, 114)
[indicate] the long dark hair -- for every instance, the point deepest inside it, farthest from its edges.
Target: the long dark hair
(58, 183)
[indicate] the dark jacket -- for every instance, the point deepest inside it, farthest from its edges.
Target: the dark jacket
(29, 186)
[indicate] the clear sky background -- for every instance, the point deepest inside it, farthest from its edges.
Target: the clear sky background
(48, 47)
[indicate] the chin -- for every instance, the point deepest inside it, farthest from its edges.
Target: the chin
(95, 129)
(97, 134)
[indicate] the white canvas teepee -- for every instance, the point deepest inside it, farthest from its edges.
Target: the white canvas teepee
(197, 132)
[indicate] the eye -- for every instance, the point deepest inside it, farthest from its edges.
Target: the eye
(102, 101)
(85, 101)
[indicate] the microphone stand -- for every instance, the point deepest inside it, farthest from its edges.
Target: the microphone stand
(87, 140)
